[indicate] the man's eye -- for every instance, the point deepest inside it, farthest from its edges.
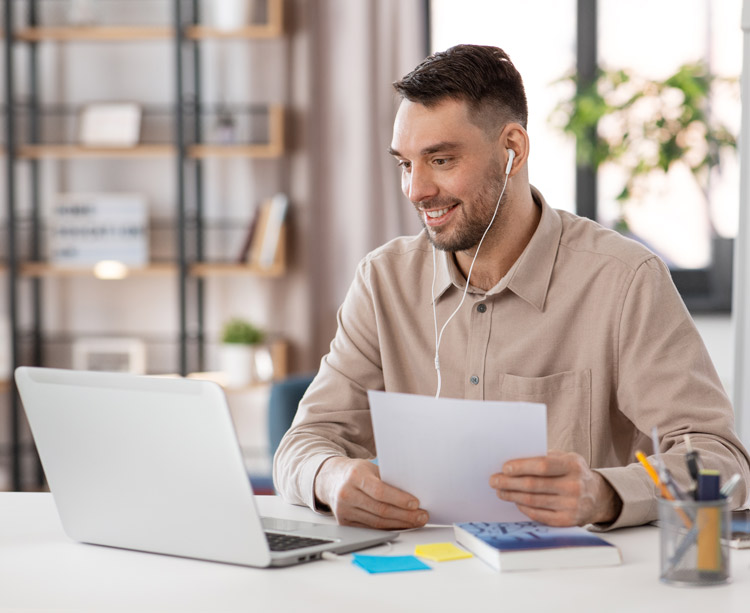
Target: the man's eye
(440, 161)
(404, 164)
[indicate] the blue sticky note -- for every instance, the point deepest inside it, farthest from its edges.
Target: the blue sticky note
(389, 564)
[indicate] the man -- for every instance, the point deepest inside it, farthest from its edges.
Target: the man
(530, 303)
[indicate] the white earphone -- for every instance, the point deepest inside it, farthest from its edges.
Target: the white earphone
(511, 157)
(439, 337)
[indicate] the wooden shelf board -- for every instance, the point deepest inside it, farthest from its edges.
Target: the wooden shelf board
(205, 269)
(45, 269)
(266, 150)
(78, 151)
(264, 31)
(94, 33)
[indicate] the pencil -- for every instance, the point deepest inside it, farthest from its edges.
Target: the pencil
(662, 488)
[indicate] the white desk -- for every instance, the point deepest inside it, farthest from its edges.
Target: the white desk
(41, 569)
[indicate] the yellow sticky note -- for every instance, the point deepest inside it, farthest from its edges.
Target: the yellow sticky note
(441, 552)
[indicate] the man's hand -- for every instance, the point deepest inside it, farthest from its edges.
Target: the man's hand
(558, 489)
(356, 495)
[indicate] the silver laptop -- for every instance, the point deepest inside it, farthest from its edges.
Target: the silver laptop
(153, 464)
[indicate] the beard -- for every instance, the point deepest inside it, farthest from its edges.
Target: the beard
(468, 231)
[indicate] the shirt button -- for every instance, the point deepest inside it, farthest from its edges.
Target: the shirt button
(474, 379)
(481, 307)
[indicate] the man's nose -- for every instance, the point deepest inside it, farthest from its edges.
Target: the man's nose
(418, 186)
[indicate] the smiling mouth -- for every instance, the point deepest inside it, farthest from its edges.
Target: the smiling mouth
(437, 213)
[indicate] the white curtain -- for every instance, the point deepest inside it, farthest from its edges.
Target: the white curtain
(359, 47)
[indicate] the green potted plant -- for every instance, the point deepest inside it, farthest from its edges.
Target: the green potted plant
(647, 126)
(239, 342)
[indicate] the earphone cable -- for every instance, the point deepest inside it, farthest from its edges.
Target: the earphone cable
(439, 337)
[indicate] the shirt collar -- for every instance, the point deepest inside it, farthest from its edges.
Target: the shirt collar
(529, 277)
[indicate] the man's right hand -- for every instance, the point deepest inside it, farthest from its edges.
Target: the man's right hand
(357, 496)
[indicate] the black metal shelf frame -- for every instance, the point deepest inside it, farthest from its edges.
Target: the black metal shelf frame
(189, 226)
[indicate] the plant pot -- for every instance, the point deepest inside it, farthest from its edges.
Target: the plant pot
(237, 362)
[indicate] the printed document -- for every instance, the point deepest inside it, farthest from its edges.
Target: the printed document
(443, 450)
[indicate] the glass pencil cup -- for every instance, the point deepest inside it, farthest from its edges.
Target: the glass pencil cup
(694, 541)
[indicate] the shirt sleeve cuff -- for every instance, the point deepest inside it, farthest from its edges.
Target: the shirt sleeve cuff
(306, 483)
(638, 495)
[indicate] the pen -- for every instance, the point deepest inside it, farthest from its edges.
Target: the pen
(664, 475)
(692, 459)
(655, 441)
(662, 488)
(727, 489)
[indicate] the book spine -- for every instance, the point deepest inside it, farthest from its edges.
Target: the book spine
(478, 547)
(276, 215)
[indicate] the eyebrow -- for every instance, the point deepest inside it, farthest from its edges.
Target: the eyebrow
(442, 146)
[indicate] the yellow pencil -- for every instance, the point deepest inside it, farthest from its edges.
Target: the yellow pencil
(662, 488)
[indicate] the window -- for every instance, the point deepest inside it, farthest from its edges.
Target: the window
(691, 226)
(543, 52)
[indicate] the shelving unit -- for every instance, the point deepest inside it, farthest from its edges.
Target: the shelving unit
(186, 151)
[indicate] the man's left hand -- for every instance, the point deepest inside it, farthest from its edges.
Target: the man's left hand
(558, 489)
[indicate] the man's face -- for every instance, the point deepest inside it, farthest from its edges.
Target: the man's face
(450, 170)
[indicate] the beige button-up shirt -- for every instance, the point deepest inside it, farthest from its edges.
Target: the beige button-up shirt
(586, 321)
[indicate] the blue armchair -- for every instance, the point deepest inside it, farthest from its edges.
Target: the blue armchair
(282, 406)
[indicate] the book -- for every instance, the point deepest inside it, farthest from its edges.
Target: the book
(530, 545)
(268, 238)
(244, 253)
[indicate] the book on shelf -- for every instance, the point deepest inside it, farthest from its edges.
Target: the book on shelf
(247, 243)
(268, 234)
(530, 545)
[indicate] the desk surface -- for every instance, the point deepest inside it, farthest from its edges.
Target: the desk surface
(41, 569)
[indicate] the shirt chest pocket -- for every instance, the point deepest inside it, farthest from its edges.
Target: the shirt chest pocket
(568, 399)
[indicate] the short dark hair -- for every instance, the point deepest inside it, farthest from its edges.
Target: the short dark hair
(482, 76)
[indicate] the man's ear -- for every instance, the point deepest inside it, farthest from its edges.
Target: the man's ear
(515, 138)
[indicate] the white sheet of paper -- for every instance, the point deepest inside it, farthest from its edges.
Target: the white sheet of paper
(443, 450)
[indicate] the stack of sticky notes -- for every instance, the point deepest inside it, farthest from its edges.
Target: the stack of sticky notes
(388, 564)
(441, 552)
(437, 552)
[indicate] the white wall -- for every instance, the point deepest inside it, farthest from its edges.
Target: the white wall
(741, 298)
(717, 334)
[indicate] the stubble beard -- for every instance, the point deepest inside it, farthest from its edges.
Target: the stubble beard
(468, 232)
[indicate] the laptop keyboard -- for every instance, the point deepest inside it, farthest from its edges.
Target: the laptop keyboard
(287, 542)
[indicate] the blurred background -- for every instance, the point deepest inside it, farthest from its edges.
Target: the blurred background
(174, 166)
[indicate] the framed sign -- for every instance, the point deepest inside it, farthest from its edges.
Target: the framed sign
(86, 229)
